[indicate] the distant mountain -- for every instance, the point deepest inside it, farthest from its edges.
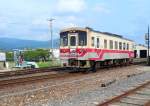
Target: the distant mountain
(11, 43)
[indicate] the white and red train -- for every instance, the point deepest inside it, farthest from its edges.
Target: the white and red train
(87, 48)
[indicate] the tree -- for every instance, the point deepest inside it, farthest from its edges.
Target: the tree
(36, 55)
(9, 56)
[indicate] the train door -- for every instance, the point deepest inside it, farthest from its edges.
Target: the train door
(97, 46)
(73, 45)
(73, 40)
(135, 54)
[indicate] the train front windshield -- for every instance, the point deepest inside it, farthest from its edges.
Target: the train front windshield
(64, 39)
(75, 38)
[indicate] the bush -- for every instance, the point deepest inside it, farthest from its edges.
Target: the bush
(31, 55)
(9, 56)
(36, 55)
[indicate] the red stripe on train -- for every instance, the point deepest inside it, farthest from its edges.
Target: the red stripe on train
(100, 52)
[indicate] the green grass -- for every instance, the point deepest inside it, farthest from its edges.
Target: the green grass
(41, 64)
(11, 64)
(48, 64)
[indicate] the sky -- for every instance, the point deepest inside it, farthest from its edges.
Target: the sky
(28, 19)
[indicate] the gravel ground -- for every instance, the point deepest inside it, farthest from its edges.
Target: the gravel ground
(100, 95)
(4, 70)
(81, 90)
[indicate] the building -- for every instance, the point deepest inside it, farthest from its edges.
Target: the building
(2, 60)
(56, 53)
(140, 51)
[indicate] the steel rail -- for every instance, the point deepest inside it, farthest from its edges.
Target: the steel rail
(30, 79)
(125, 94)
(28, 71)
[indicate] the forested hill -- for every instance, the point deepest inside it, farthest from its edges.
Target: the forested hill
(11, 43)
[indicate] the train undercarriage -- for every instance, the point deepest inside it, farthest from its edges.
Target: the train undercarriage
(93, 65)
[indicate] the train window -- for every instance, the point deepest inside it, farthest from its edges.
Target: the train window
(93, 39)
(133, 46)
(127, 46)
(82, 39)
(73, 41)
(120, 46)
(97, 42)
(124, 46)
(111, 44)
(116, 45)
(105, 44)
(63, 39)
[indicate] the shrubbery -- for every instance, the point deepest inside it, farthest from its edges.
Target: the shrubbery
(31, 55)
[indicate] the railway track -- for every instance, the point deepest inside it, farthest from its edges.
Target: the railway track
(41, 70)
(29, 76)
(139, 96)
(35, 86)
(28, 71)
(20, 77)
(30, 79)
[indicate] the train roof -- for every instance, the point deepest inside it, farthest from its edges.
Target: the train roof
(108, 33)
(105, 33)
(73, 28)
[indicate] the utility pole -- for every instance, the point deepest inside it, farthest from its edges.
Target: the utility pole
(51, 31)
(148, 46)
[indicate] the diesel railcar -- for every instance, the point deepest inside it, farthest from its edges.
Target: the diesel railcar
(88, 48)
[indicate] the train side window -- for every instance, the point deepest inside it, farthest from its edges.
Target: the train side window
(127, 46)
(120, 45)
(82, 38)
(133, 46)
(98, 43)
(111, 44)
(124, 46)
(116, 45)
(105, 43)
(93, 41)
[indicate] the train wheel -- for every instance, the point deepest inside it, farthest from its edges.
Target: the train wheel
(75, 69)
(93, 66)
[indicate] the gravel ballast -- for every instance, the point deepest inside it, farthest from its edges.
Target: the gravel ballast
(83, 90)
(101, 94)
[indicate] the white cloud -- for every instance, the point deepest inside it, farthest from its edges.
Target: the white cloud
(71, 5)
(40, 22)
(68, 25)
(101, 8)
(65, 21)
